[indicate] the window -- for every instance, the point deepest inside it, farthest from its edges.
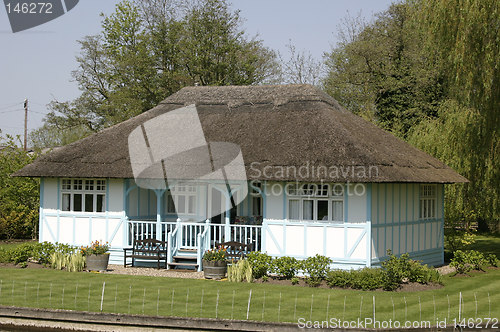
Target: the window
(337, 210)
(322, 209)
(181, 199)
(83, 195)
(427, 201)
(294, 209)
(316, 202)
(307, 209)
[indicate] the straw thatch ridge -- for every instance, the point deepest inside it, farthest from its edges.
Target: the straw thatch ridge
(277, 127)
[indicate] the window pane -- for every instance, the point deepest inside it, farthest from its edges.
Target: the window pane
(66, 184)
(89, 184)
(337, 190)
(100, 203)
(293, 209)
(191, 205)
(256, 203)
(77, 205)
(322, 210)
(66, 202)
(433, 209)
(101, 185)
(338, 211)
(89, 203)
(77, 184)
(323, 190)
(181, 204)
(307, 212)
(309, 189)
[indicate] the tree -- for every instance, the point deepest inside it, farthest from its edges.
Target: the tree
(465, 38)
(215, 50)
(379, 71)
(300, 67)
(19, 197)
(427, 70)
(149, 50)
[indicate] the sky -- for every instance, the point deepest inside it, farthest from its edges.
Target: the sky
(36, 64)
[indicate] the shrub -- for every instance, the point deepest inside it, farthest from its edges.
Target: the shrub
(460, 262)
(239, 272)
(477, 260)
(58, 260)
(397, 269)
(265, 278)
(40, 252)
(312, 282)
(492, 260)
(317, 267)
(76, 262)
(72, 262)
(465, 261)
(338, 278)
(403, 269)
(367, 278)
(261, 263)
(4, 255)
(295, 281)
(22, 253)
(285, 267)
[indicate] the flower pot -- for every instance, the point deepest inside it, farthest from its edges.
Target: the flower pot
(97, 262)
(214, 269)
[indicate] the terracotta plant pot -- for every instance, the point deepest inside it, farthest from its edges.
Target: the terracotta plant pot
(97, 262)
(214, 269)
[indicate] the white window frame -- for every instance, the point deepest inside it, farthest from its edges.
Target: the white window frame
(428, 202)
(323, 192)
(187, 191)
(83, 187)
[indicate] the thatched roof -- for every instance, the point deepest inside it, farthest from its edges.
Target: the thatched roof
(280, 127)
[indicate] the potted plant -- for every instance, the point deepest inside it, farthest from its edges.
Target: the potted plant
(96, 256)
(214, 263)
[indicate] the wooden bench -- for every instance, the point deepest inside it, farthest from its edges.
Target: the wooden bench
(235, 250)
(150, 249)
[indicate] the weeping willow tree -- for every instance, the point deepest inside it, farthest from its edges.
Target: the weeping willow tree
(464, 36)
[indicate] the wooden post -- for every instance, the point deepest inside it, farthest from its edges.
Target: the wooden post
(26, 124)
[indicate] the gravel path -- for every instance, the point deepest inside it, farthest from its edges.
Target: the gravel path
(153, 272)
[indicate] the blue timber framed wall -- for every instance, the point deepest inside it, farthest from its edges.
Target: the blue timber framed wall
(81, 228)
(396, 224)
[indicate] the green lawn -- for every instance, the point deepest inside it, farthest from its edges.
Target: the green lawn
(148, 295)
(7, 245)
(487, 244)
(198, 298)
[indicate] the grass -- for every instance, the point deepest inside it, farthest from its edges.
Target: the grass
(487, 244)
(7, 245)
(198, 298)
(181, 297)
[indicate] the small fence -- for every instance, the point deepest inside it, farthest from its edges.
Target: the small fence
(141, 230)
(194, 299)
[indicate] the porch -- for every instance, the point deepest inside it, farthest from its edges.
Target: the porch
(345, 243)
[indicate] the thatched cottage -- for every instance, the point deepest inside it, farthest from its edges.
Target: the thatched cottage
(321, 180)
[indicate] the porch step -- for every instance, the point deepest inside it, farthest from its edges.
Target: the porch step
(184, 264)
(187, 250)
(187, 258)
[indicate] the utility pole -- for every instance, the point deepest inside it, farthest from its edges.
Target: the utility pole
(26, 124)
